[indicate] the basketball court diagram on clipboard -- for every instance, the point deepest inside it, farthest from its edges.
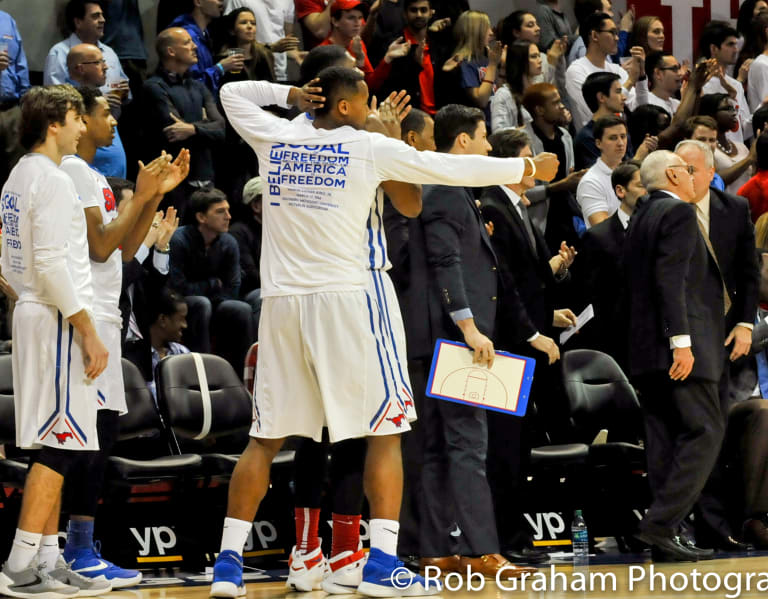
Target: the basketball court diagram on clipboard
(505, 387)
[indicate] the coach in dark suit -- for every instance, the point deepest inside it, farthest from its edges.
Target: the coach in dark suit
(598, 273)
(726, 219)
(527, 270)
(676, 353)
(461, 294)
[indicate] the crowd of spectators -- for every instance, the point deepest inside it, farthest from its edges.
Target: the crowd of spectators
(602, 93)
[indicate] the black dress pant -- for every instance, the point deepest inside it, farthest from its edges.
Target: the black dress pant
(455, 489)
(684, 433)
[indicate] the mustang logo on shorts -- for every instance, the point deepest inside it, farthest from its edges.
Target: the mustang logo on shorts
(62, 437)
(397, 420)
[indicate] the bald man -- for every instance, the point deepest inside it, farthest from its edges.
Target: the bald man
(86, 67)
(181, 112)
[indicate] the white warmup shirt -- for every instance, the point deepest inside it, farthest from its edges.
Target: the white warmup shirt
(45, 238)
(94, 191)
(320, 185)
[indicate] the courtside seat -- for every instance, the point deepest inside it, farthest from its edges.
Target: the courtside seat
(206, 407)
(13, 472)
(142, 427)
(601, 398)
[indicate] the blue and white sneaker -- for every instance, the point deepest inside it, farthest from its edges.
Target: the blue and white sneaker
(88, 562)
(385, 576)
(228, 575)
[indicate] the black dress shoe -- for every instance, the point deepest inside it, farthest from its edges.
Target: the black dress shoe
(732, 545)
(756, 532)
(526, 555)
(700, 552)
(667, 549)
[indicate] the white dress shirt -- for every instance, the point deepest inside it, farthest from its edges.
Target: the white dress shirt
(670, 105)
(515, 199)
(623, 218)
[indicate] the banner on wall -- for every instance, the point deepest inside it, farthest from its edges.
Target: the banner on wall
(684, 19)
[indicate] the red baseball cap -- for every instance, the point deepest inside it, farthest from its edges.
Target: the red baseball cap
(340, 5)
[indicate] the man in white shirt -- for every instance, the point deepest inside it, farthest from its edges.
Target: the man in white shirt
(85, 19)
(719, 40)
(664, 80)
(112, 238)
(601, 36)
(321, 177)
(57, 352)
(274, 27)
(595, 193)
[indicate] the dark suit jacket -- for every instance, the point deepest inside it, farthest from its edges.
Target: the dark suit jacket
(522, 273)
(674, 288)
(452, 267)
(598, 275)
(733, 238)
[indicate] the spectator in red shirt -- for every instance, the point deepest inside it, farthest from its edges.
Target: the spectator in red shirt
(415, 72)
(315, 19)
(756, 189)
(347, 22)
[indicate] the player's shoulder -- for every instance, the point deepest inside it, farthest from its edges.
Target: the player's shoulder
(72, 164)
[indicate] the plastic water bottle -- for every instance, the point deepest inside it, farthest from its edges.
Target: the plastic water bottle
(580, 539)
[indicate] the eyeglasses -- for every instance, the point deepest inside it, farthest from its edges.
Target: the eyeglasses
(613, 32)
(102, 61)
(677, 67)
(689, 167)
(728, 108)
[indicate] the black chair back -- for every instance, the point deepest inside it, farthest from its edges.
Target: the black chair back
(203, 400)
(600, 397)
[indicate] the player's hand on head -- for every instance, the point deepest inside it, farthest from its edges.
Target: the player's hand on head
(308, 97)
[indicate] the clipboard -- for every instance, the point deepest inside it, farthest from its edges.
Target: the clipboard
(503, 388)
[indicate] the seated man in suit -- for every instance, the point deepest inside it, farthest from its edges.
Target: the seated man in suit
(598, 273)
(726, 221)
(746, 447)
(527, 270)
(462, 282)
(676, 354)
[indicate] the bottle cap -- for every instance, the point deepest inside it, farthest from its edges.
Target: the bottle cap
(577, 513)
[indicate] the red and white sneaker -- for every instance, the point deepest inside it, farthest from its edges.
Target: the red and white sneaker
(344, 572)
(305, 570)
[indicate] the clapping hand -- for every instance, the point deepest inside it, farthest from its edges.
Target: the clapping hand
(166, 228)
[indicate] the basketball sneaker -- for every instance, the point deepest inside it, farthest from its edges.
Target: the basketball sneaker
(87, 587)
(344, 572)
(305, 570)
(34, 583)
(386, 576)
(228, 575)
(87, 561)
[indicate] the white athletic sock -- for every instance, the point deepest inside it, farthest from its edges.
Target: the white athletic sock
(384, 535)
(49, 552)
(235, 534)
(23, 550)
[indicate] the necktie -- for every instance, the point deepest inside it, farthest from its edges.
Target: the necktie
(528, 227)
(710, 249)
(762, 368)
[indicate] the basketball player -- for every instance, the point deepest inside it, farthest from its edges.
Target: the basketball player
(323, 352)
(57, 352)
(112, 239)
